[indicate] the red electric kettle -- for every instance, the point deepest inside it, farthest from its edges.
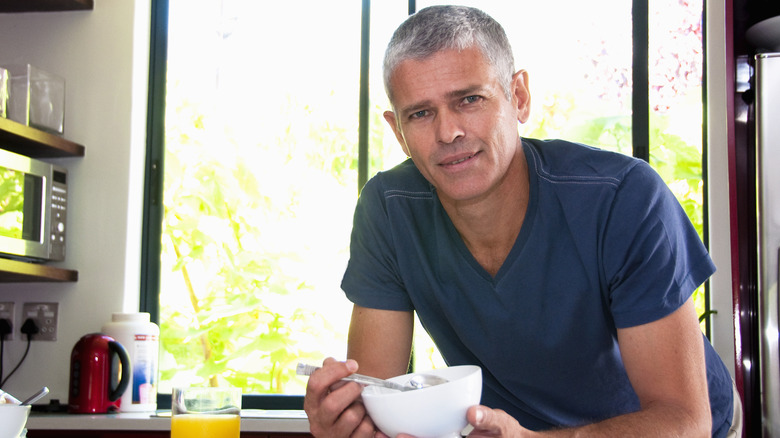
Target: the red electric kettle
(96, 363)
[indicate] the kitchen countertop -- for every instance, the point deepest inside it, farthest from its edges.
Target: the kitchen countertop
(252, 420)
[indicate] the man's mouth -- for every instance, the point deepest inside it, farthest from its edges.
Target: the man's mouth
(460, 160)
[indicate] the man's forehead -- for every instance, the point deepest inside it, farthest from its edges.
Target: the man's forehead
(445, 74)
(466, 58)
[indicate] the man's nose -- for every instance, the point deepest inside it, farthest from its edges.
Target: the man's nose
(448, 127)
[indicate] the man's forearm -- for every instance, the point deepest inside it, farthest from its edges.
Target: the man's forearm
(654, 421)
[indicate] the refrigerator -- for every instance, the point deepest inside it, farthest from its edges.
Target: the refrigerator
(767, 135)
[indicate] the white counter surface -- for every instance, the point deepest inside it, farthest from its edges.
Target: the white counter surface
(252, 420)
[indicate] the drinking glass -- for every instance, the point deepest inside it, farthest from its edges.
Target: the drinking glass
(206, 413)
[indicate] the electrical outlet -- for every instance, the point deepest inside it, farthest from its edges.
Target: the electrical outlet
(7, 312)
(45, 317)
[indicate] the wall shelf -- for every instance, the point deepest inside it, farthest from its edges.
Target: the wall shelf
(32, 142)
(14, 271)
(45, 5)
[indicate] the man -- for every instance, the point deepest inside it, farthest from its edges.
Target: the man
(565, 272)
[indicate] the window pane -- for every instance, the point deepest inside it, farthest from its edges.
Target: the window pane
(261, 159)
(675, 71)
(579, 63)
(384, 150)
(260, 185)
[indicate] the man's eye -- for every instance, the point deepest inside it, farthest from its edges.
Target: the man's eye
(418, 114)
(471, 99)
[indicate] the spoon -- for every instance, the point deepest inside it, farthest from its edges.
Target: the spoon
(418, 381)
(35, 397)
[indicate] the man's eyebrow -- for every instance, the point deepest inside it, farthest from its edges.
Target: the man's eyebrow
(413, 108)
(473, 89)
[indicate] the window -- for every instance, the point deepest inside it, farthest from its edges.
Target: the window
(269, 129)
(675, 70)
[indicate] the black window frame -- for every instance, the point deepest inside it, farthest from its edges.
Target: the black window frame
(155, 144)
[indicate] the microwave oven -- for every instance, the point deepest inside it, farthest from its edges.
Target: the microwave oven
(33, 206)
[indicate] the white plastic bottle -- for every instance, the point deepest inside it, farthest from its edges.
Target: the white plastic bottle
(141, 339)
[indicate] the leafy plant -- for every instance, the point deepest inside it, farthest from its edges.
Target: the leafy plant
(234, 315)
(243, 211)
(11, 203)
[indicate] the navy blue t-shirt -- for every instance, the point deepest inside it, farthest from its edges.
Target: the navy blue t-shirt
(604, 245)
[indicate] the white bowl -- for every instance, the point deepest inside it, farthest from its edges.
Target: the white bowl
(12, 419)
(434, 412)
(765, 34)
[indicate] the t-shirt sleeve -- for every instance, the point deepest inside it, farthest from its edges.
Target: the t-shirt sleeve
(372, 277)
(653, 258)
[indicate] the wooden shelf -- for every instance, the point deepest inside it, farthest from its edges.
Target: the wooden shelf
(14, 271)
(32, 142)
(35, 143)
(45, 5)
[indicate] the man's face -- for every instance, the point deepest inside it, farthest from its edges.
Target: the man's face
(454, 119)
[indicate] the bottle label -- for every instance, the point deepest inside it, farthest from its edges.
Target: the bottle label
(145, 369)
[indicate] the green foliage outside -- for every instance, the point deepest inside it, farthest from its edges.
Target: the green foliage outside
(234, 314)
(11, 203)
(240, 305)
(242, 325)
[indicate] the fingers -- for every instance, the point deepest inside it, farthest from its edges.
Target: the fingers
(476, 416)
(331, 372)
(352, 422)
(494, 423)
(334, 407)
(366, 428)
(327, 379)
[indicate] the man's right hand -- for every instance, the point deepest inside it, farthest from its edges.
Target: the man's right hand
(333, 406)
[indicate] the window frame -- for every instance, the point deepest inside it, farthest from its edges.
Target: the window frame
(155, 144)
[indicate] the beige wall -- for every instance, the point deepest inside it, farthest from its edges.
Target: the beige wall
(103, 56)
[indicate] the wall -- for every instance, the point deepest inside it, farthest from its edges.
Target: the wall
(105, 68)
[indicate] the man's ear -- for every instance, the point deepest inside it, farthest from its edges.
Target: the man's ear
(393, 122)
(522, 94)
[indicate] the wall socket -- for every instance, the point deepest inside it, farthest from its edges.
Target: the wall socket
(45, 317)
(7, 312)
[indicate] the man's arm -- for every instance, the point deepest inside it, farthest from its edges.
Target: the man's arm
(380, 344)
(664, 360)
(380, 341)
(665, 363)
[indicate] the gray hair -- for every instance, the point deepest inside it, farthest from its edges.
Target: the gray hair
(437, 28)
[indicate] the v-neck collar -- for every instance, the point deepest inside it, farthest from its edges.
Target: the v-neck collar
(522, 237)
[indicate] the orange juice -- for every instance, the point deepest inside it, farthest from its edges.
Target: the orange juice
(205, 426)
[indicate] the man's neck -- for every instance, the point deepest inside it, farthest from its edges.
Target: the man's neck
(489, 226)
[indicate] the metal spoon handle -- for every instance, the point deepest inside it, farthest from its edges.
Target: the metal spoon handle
(37, 396)
(368, 380)
(306, 370)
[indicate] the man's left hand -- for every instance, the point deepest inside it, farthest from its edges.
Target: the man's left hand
(494, 423)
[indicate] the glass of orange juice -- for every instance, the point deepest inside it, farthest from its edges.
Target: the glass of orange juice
(206, 413)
